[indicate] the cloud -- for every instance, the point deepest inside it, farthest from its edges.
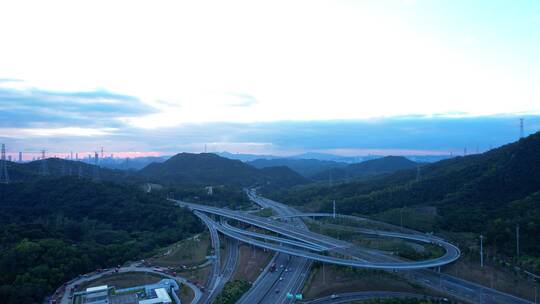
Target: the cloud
(241, 100)
(35, 108)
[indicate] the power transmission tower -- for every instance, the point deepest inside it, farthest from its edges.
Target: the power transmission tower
(521, 128)
(44, 169)
(334, 208)
(4, 176)
(96, 167)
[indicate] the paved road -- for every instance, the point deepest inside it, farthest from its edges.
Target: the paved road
(456, 287)
(132, 268)
(459, 288)
(365, 295)
(218, 276)
(214, 279)
(295, 271)
(300, 233)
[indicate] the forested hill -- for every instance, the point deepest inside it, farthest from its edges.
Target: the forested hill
(56, 167)
(54, 229)
(384, 165)
(211, 169)
(490, 192)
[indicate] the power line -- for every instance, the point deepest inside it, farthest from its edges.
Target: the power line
(44, 169)
(4, 176)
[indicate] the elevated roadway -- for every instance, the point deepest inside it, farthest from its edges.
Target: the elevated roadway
(452, 253)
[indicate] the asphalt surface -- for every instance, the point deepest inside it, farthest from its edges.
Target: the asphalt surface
(457, 288)
(219, 275)
(301, 233)
(214, 279)
(295, 272)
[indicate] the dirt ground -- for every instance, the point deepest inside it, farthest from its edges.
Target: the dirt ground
(186, 252)
(186, 294)
(123, 280)
(251, 263)
(335, 279)
(199, 275)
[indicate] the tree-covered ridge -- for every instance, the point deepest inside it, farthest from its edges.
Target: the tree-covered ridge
(52, 230)
(490, 192)
(211, 169)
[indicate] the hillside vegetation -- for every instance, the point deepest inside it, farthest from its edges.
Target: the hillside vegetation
(211, 169)
(486, 193)
(54, 229)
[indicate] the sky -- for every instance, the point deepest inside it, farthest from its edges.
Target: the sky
(281, 77)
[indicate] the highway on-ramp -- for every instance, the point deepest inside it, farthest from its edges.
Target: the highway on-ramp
(452, 253)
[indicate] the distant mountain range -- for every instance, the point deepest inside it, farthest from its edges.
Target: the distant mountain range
(328, 157)
(306, 167)
(385, 165)
(319, 170)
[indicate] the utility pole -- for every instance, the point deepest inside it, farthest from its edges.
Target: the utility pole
(4, 176)
(323, 274)
(481, 251)
(334, 209)
(517, 240)
(401, 218)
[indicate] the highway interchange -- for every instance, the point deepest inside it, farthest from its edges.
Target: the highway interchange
(296, 247)
(268, 288)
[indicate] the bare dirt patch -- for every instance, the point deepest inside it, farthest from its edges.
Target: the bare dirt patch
(123, 280)
(336, 279)
(187, 252)
(251, 263)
